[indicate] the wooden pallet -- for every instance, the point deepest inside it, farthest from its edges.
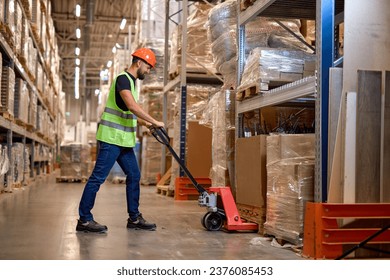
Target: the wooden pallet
(118, 180)
(253, 214)
(7, 115)
(165, 190)
(162, 187)
(67, 179)
(244, 4)
(252, 90)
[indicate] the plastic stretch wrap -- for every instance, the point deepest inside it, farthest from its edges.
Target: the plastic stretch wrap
(18, 162)
(22, 100)
(7, 90)
(151, 160)
(156, 77)
(197, 100)
(198, 52)
(290, 184)
(221, 18)
(261, 32)
(4, 165)
(281, 65)
(219, 115)
(75, 160)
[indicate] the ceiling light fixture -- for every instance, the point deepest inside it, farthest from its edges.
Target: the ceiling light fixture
(77, 61)
(78, 10)
(78, 33)
(123, 24)
(117, 46)
(77, 51)
(76, 83)
(114, 49)
(109, 63)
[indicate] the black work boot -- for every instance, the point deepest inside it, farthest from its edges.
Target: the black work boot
(140, 223)
(90, 226)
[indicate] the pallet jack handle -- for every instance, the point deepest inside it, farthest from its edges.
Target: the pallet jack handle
(162, 136)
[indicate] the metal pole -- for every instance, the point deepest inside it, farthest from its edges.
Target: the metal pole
(183, 86)
(165, 82)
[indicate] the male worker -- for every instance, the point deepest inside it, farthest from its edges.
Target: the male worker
(117, 136)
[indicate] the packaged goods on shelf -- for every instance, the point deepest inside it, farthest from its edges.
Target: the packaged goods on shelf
(221, 18)
(23, 52)
(75, 161)
(151, 160)
(219, 115)
(8, 26)
(18, 162)
(7, 90)
(31, 59)
(290, 184)
(39, 77)
(33, 108)
(18, 27)
(4, 165)
(36, 17)
(199, 57)
(1, 12)
(21, 101)
(266, 67)
(156, 79)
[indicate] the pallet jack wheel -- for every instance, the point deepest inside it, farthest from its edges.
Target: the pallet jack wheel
(212, 221)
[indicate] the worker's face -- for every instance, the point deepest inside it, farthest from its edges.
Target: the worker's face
(143, 69)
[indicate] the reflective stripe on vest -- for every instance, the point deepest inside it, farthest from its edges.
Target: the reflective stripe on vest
(117, 126)
(119, 114)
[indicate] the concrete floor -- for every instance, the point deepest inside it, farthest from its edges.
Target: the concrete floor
(38, 222)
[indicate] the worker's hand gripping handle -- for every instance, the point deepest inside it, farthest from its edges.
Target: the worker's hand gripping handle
(160, 134)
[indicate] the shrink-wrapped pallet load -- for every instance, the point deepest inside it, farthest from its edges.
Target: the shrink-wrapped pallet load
(290, 184)
(199, 58)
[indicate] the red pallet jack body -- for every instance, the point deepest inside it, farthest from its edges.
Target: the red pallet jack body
(222, 211)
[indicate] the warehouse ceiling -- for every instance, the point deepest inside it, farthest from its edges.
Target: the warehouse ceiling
(99, 23)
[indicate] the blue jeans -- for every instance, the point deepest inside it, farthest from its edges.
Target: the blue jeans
(107, 155)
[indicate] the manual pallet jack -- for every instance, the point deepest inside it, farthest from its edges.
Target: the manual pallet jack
(221, 208)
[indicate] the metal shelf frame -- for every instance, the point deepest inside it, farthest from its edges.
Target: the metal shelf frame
(324, 12)
(184, 77)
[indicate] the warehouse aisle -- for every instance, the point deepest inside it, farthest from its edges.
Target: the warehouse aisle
(38, 223)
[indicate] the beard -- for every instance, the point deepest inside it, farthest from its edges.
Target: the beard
(140, 75)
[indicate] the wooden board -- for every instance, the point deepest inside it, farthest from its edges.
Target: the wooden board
(335, 192)
(368, 136)
(335, 89)
(350, 149)
(386, 140)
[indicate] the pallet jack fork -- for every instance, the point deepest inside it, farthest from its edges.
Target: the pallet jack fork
(222, 211)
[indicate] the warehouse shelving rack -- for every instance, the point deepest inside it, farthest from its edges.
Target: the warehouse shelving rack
(20, 133)
(328, 14)
(184, 77)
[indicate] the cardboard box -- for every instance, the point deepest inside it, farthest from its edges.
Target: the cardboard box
(290, 147)
(198, 156)
(251, 173)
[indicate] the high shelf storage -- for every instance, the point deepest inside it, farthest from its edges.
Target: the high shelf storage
(30, 55)
(325, 13)
(185, 76)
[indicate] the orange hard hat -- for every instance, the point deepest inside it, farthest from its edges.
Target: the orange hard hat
(147, 55)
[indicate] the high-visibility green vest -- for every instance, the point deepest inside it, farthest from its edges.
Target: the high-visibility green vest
(117, 126)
